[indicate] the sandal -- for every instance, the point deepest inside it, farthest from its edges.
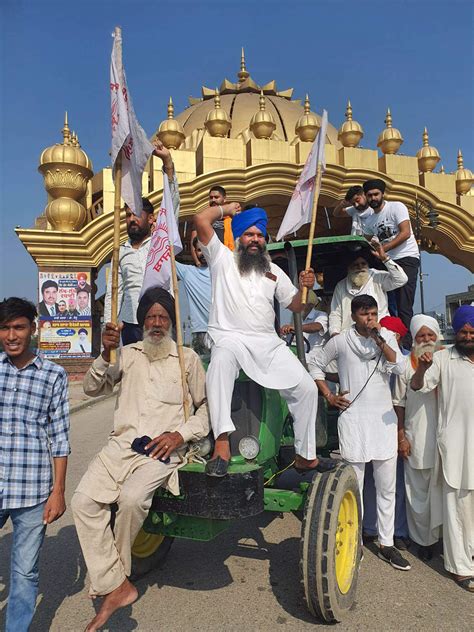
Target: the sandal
(324, 465)
(467, 583)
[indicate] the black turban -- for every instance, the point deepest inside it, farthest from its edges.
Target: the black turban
(155, 295)
(374, 184)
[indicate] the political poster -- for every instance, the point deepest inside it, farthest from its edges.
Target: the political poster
(64, 314)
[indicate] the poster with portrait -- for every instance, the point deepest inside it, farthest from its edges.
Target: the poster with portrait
(64, 314)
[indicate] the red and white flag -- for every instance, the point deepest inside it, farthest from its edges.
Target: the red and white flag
(127, 133)
(158, 264)
(301, 203)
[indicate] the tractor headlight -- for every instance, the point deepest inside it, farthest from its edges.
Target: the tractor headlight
(249, 447)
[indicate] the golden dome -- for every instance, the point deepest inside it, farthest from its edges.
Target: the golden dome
(240, 100)
(428, 157)
(262, 123)
(217, 121)
(390, 139)
(307, 125)
(69, 151)
(351, 132)
(464, 177)
(170, 131)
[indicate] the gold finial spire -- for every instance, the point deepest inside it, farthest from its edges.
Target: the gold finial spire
(390, 139)
(441, 169)
(262, 123)
(243, 74)
(171, 132)
(464, 177)
(66, 132)
(217, 121)
(428, 157)
(351, 132)
(307, 125)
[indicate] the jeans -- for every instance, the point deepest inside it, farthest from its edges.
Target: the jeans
(405, 295)
(131, 333)
(28, 536)
(370, 514)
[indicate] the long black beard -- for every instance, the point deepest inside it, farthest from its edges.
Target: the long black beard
(248, 263)
(464, 348)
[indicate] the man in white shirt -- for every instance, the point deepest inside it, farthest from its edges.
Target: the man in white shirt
(355, 206)
(364, 280)
(315, 324)
(133, 255)
(417, 422)
(390, 224)
(451, 372)
(366, 355)
(241, 326)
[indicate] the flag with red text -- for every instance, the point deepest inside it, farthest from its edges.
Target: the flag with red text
(301, 203)
(158, 264)
(127, 135)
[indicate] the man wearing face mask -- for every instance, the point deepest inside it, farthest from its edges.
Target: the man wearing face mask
(361, 279)
(355, 206)
(133, 256)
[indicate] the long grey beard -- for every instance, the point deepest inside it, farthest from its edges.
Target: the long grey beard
(359, 279)
(247, 263)
(424, 347)
(156, 350)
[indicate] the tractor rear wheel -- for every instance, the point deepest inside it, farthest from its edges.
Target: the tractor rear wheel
(330, 543)
(149, 552)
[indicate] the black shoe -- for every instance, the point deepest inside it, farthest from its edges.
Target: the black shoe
(217, 467)
(392, 556)
(402, 544)
(368, 538)
(425, 553)
(324, 465)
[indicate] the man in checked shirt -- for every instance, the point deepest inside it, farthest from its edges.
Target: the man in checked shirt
(34, 427)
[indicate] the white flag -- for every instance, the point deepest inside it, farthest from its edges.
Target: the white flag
(158, 264)
(127, 134)
(301, 203)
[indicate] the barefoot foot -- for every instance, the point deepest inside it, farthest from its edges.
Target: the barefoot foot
(122, 596)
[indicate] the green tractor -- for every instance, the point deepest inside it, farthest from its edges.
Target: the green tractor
(261, 478)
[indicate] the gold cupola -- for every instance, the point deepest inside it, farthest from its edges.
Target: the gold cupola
(171, 132)
(307, 125)
(351, 132)
(390, 139)
(262, 123)
(217, 120)
(66, 170)
(464, 177)
(428, 157)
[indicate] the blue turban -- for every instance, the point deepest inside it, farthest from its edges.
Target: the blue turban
(253, 217)
(464, 315)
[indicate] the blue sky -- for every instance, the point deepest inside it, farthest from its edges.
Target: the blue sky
(415, 57)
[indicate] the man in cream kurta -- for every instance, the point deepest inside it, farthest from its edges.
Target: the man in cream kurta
(241, 326)
(149, 403)
(418, 418)
(452, 371)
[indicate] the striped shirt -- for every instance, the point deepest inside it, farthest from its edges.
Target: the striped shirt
(34, 427)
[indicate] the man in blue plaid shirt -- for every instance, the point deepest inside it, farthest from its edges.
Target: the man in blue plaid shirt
(34, 427)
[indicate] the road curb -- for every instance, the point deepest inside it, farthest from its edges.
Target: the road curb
(89, 402)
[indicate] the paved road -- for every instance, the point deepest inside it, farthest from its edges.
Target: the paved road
(247, 578)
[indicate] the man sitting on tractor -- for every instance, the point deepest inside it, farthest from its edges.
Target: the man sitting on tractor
(241, 326)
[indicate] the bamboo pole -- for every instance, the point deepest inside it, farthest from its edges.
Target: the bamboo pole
(179, 333)
(312, 227)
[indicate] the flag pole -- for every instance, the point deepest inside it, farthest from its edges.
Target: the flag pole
(179, 333)
(312, 227)
(117, 204)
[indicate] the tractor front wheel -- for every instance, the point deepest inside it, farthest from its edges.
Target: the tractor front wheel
(330, 543)
(149, 552)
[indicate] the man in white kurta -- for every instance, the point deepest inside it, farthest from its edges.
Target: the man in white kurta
(241, 327)
(418, 418)
(367, 424)
(451, 371)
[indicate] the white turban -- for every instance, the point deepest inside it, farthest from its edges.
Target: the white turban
(421, 320)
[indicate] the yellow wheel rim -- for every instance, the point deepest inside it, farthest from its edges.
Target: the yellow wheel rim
(146, 544)
(346, 541)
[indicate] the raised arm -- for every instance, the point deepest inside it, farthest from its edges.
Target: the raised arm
(306, 279)
(340, 209)
(204, 220)
(101, 378)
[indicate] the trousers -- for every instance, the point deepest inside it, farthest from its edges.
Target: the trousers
(458, 530)
(370, 504)
(28, 536)
(107, 553)
(424, 505)
(405, 295)
(302, 401)
(385, 473)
